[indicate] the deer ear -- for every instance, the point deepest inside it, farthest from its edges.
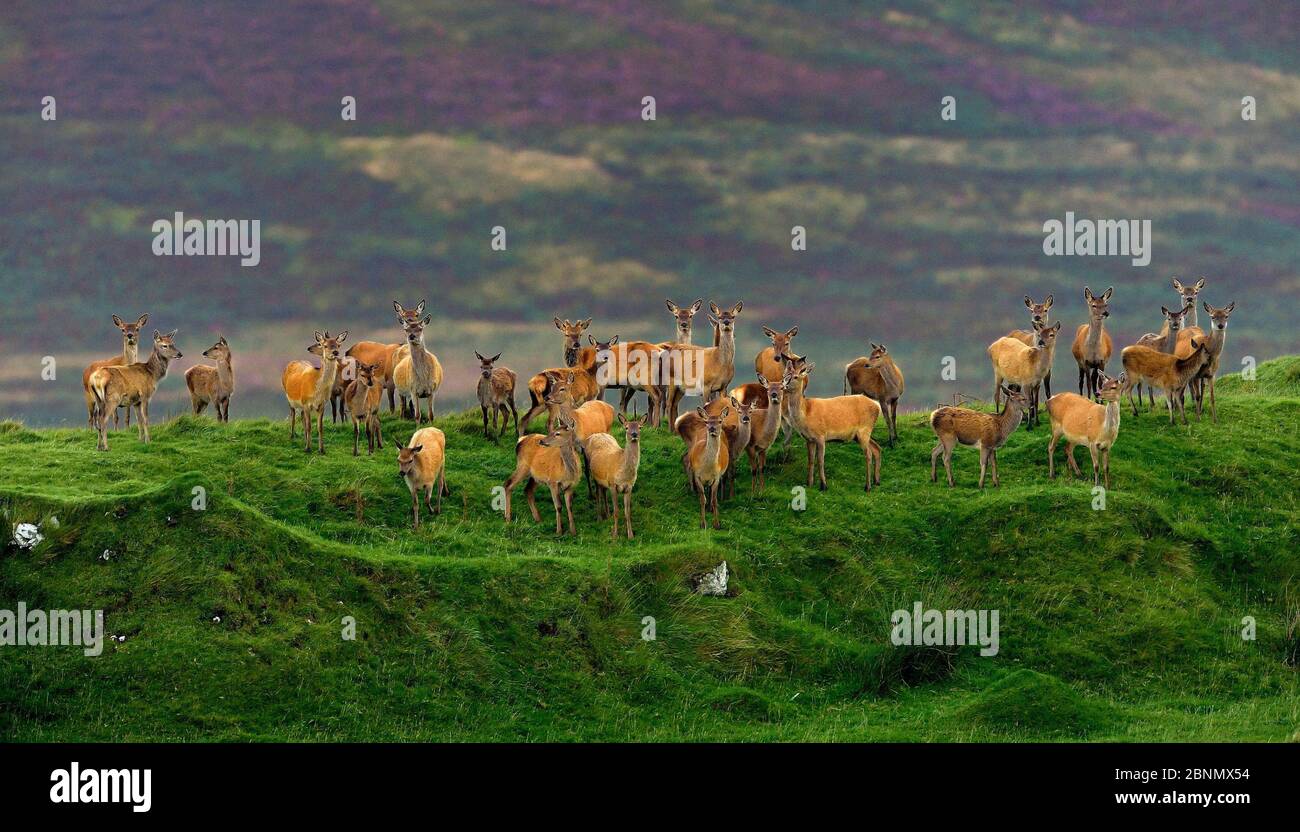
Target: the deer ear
(699, 411)
(1106, 295)
(613, 341)
(419, 308)
(672, 307)
(622, 420)
(118, 322)
(1200, 284)
(695, 307)
(584, 324)
(591, 340)
(1123, 378)
(794, 330)
(808, 368)
(733, 401)
(713, 307)
(1029, 303)
(343, 336)
(319, 337)
(1230, 307)
(558, 325)
(1047, 304)
(479, 355)
(572, 378)
(496, 357)
(1087, 293)
(724, 413)
(767, 330)
(221, 339)
(1057, 328)
(416, 449)
(397, 307)
(1178, 285)
(735, 310)
(762, 379)
(1207, 308)
(1164, 311)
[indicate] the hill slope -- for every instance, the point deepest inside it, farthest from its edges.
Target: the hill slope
(1121, 623)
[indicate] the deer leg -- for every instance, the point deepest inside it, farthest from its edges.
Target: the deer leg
(442, 486)
(356, 437)
(1047, 383)
(530, 491)
(555, 501)
(984, 464)
(993, 459)
(934, 461)
(1069, 457)
(483, 408)
(866, 450)
(415, 507)
(1214, 413)
(947, 461)
(1105, 463)
(144, 419)
(893, 422)
(821, 463)
(320, 429)
(613, 498)
(627, 512)
(1096, 463)
(1081, 371)
(568, 509)
(812, 459)
(1051, 453)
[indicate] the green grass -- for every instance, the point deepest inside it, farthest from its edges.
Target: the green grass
(1119, 624)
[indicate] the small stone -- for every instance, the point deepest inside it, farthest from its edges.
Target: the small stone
(27, 536)
(713, 582)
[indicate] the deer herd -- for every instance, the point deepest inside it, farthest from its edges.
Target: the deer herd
(733, 421)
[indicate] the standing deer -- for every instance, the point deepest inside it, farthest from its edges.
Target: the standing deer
(1163, 370)
(1165, 341)
(583, 380)
(422, 464)
(130, 351)
(1038, 314)
(765, 424)
(737, 427)
(1026, 367)
(707, 460)
(707, 370)
(1092, 344)
(496, 393)
(551, 459)
(1213, 352)
(1083, 422)
(878, 377)
(590, 417)
(363, 398)
(836, 419)
(418, 374)
(307, 388)
(614, 469)
(117, 386)
(213, 385)
(384, 356)
(987, 432)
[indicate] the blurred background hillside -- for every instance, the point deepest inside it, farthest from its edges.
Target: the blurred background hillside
(923, 234)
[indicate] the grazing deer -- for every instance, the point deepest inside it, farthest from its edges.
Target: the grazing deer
(1083, 422)
(614, 469)
(384, 356)
(213, 385)
(1038, 314)
(551, 459)
(1092, 344)
(765, 424)
(836, 419)
(708, 460)
(130, 351)
(1163, 370)
(1187, 297)
(423, 465)
(682, 321)
(1015, 363)
(363, 399)
(1165, 341)
(1213, 352)
(768, 362)
(707, 370)
(985, 431)
(117, 386)
(496, 393)
(418, 374)
(878, 377)
(583, 380)
(307, 388)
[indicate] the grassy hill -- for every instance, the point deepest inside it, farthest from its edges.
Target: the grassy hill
(1118, 624)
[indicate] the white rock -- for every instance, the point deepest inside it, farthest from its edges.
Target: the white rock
(714, 582)
(27, 536)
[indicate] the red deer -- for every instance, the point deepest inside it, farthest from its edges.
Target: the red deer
(1015, 363)
(551, 459)
(132, 385)
(836, 419)
(417, 374)
(1083, 422)
(362, 398)
(1213, 352)
(1092, 344)
(707, 462)
(130, 351)
(878, 377)
(307, 388)
(1038, 314)
(1158, 369)
(496, 393)
(614, 469)
(423, 466)
(985, 431)
(213, 385)
(384, 356)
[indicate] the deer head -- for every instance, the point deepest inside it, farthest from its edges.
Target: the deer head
(408, 316)
(712, 424)
(415, 330)
(485, 364)
(1047, 334)
(1038, 311)
(327, 346)
(560, 435)
(877, 356)
(682, 317)
(1189, 293)
(1098, 307)
(165, 345)
(131, 332)
(780, 340)
(1219, 317)
(1175, 317)
(632, 427)
(406, 460)
(1110, 387)
(572, 338)
(219, 351)
(724, 319)
(1013, 393)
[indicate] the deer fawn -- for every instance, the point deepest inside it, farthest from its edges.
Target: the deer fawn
(878, 377)
(1163, 370)
(1213, 352)
(551, 459)
(708, 460)
(307, 388)
(1092, 344)
(836, 419)
(422, 465)
(1015, 363)
(987, 432)
(496, 393)
(707, 370)
(117, 386)
(363, 398)
(1083, 422)
(418, 374)
(1038, 314)
(614, 469)
(212, 385)
(130, 351)
(1165, 341)
(384, 356)
(583, 380)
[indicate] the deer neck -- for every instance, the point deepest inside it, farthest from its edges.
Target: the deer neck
(130, 353)
(1189, 366)
(1214, 343)
(420, 356)
(226, 372)
(569, 458)
(889, 375)
(631, 461)
(725, 344)
(712, 448)
(1008, 421)
(1092, 345)
(157, 365)
(1110, 423)
(1193, 314)
(771, 424)
(329, 371)
(794, 403)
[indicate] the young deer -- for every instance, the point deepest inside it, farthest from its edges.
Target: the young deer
(130, 351)
(582, 380)
(117, 386)
(768, 362)
(363, 398)
(878, 377)
(1163, 370)
(1165, 341)
(307, 388)
(1015, 363)
(1092, 344)
(708, 460)
(422, 465)
(1213, 352)
(986, 431)
(1083, 422)
(551, 459)
(496, 393)
(707, 370)
(1038, 314)
(212, 385)
(614, 469)
(384, 356)
(765, 424)
(837, 419)
(418, 374)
